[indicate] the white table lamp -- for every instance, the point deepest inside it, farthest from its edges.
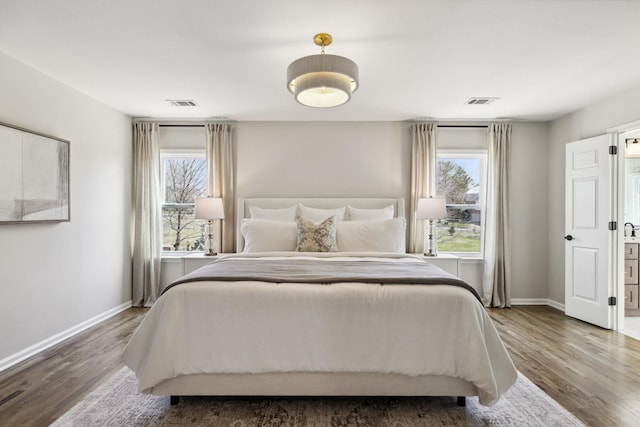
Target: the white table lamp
(209, 208)
(431, 208)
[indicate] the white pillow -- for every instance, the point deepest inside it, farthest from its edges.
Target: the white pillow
(357, 214)
(268, 236)
(283, 214)
(318, 215)
(371, 236)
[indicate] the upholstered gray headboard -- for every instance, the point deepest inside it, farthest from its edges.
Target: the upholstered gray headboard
(314, 202)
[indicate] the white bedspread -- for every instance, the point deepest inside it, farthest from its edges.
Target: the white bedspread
(256, 327)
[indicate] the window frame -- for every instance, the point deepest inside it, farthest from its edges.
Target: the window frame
(171, 153)
(482, 155)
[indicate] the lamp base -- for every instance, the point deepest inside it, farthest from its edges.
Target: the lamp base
(210, 251)
(430, 248)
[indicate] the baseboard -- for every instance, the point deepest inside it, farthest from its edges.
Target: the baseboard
(14, 359)
(538, 301)
(556, 305)
(529, 301)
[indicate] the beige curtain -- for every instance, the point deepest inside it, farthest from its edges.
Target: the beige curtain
(147, 219)
(423, 157)
(221, 181)
(496, 279)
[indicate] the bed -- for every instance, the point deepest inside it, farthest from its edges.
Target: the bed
(365, 319)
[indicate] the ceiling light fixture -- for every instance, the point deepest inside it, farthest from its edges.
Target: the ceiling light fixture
(322, 80)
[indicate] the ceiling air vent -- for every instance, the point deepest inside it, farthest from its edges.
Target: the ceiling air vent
(480, 101)
(182, 102)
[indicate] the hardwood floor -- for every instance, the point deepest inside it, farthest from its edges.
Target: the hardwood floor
(39, 390)
(592, 372)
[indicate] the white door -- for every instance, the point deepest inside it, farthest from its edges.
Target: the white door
(588, 279)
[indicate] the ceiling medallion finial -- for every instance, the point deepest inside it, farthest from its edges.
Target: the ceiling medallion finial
(322, 40)
(322, 80)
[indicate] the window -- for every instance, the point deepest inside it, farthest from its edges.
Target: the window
(184, 178)
(460, 177)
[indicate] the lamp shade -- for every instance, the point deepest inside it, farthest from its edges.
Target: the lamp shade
(431, 208)
(322, 81)
(209, 208)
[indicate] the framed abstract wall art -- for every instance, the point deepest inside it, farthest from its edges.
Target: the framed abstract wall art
(34, 177)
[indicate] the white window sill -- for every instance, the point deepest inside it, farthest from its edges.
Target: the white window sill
(173, 256)
(465, 256)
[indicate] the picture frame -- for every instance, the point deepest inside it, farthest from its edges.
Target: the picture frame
(34, 177)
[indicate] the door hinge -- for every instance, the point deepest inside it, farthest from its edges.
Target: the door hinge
(613, 150)
(613, 301)
(613, 225)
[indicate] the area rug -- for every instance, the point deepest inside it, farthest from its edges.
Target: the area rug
(117, 403)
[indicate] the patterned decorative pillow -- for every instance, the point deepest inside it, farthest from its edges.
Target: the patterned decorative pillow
(316, 237)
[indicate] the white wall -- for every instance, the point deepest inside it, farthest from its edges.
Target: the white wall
(186, 138)
(529, 222)
(323, 159)
(56, 276)
(373, 159)
(591, 121)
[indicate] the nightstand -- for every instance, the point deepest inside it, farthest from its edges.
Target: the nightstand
(194, 261)
(447, 262)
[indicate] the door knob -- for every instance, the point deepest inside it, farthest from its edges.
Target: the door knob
(568, 237)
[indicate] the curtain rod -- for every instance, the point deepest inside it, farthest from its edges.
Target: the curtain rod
(440, 126)
(463, 126)
(181, 126)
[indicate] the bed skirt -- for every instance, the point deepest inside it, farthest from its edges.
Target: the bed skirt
(313, 384)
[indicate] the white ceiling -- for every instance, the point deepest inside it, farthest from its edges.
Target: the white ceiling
(421, 58)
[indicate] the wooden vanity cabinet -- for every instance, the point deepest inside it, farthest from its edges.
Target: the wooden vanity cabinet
(631, 276)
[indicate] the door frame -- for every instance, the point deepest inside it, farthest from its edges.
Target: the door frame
(616, 258)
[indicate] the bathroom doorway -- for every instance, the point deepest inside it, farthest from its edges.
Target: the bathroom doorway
(630, 177)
